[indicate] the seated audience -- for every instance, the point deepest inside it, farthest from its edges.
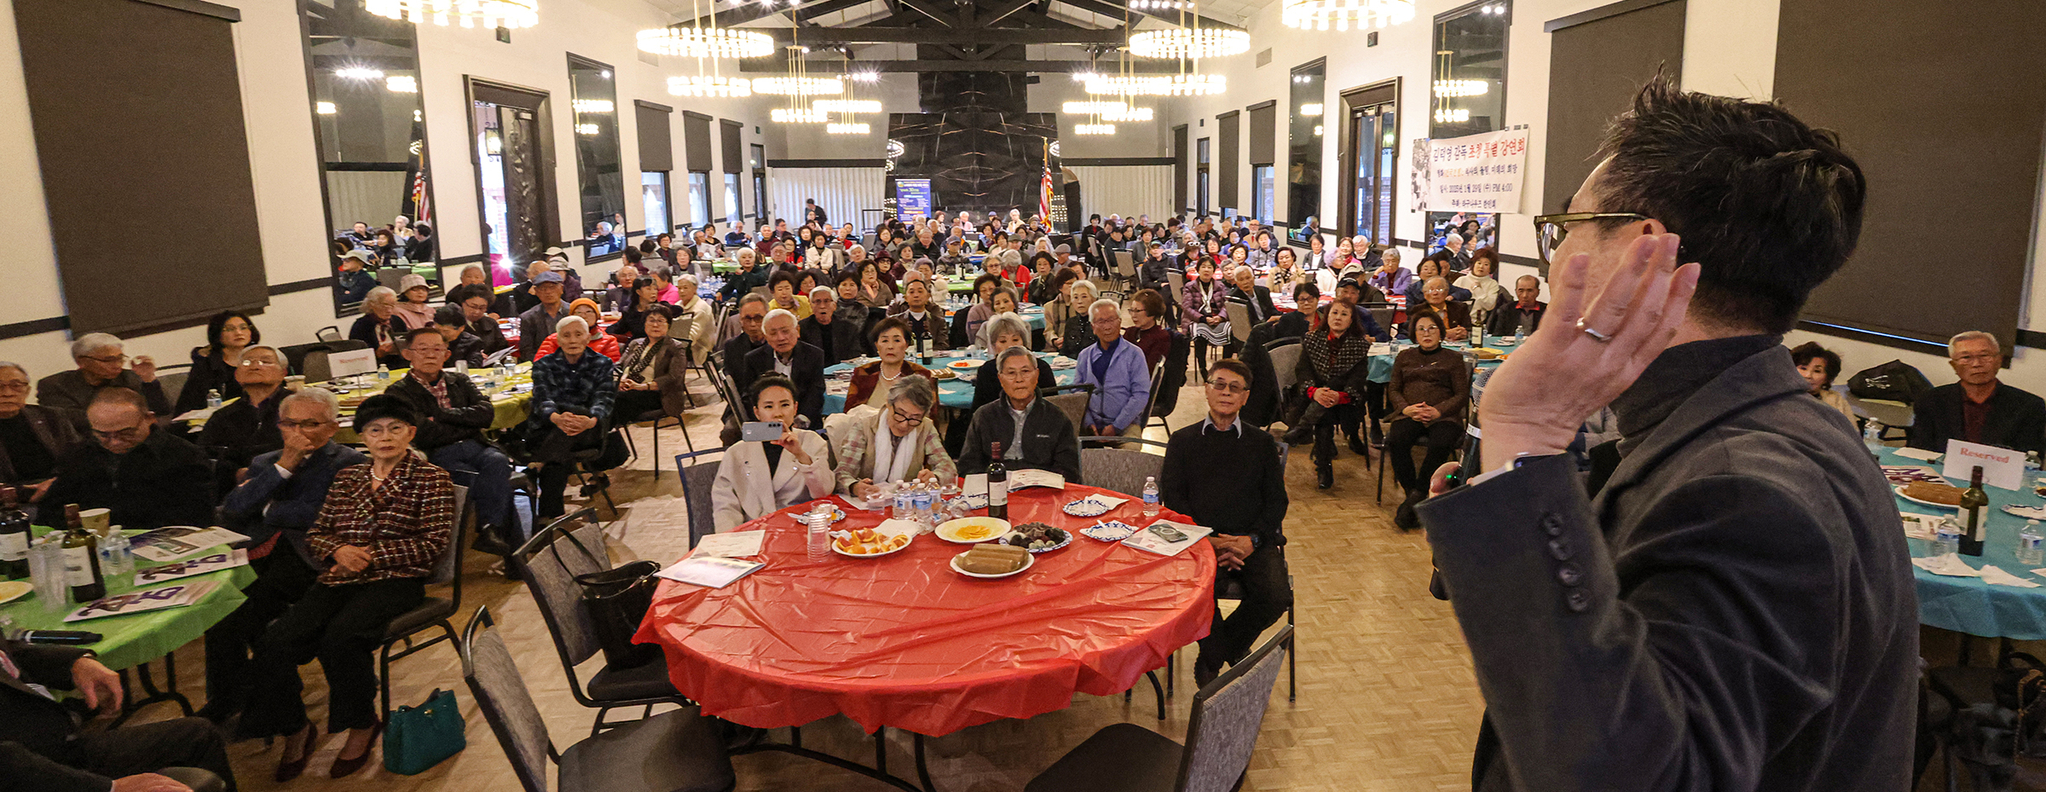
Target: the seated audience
(1076, 329)
(1009, 265)
(651, 375)
(1390, 277)
(928, 329)
(1429, 390)
(537, 322)
(1117, 370)
(760, 477)
(1306, 301)
(412, 308)
(875, 290)
(1524, 315)
(1487, 296)
(1147, 310)
(1435, 301)
(785, 354)
(667, 280)
(750, 276)
(351, 281)
(784, 296)
(1204, 314)
(1229, 477)
(1243, 288)
(214, 365)
(572, 393)
(381, 531)
(453, 415)
(475, 304)
(1819, 366)
(898, 443)
(1003, 303)
(632, 318)
(148, 477)
(983, 302)
(752, 310)
(1003, 332)
(463, 346)
(380, 327)
(275, 506)
(1978, 408)
(100, 359)
(837, 338)
(1044, 288)
(43, 746)
(691, 324)
(246, 427)
(1333, 375)
(1030, 432)
(602, 343)
(32, 437)
(852, 312)
(1430, 269)
(625, 284)
(1286, 271)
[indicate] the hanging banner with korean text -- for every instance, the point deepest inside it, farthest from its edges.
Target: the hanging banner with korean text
(1477, 173)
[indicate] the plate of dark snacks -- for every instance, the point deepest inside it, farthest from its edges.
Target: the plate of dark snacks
(1037, 537)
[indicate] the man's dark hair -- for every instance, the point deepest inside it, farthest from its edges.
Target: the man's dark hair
(779, 277)
(121, 396)
(1307, 293)
(633, 256)
(461, 293)
(1232, 366)
(1768, 206)
(420, 332)
(1809, 351)
(449, 315)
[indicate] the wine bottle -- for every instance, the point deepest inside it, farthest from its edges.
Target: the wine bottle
(81, 559)
(14, 536)
(997, 484)
(1972, 501)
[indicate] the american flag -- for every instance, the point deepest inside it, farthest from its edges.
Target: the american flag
(1044, 192)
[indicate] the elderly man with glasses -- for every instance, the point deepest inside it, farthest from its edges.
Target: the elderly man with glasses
(274, 506)
(1229, 477)
(149, 478)
(1978, 408)
(101, 364)
(32, 437)
(246, 427)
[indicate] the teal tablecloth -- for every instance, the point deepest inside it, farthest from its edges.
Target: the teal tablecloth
(1968, 605)
(1381, 365)
(954, 393)
(141, 637)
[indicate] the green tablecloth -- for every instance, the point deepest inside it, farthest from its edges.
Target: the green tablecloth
(139, 638)
(723, 266)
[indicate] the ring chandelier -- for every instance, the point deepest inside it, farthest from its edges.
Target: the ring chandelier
(696, 42)
(509, 14)
(1189, 43)
(1342, 14)
(710, 86)
(1159, 85)
(799, 86)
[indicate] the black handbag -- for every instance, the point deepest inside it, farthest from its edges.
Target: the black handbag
(617, 599)
(1894, 381)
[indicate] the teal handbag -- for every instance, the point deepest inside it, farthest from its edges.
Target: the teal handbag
(417, 738)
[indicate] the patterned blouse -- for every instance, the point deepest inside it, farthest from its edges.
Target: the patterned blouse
(405, 524)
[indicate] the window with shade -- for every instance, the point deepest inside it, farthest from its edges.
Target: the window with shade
(1303, 146)
(600, 168)
(1468, 97)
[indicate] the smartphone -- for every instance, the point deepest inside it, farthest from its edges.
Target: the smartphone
(1168, 533)
(760, 431)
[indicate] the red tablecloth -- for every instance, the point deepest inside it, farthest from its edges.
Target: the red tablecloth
(903, 641)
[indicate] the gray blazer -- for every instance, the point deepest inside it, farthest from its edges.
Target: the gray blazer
(1735, 611)
(68, 393)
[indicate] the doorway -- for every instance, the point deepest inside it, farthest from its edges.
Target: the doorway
(514, 175)
(1370, 151)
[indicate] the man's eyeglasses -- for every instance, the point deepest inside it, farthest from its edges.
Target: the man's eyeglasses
(11, 386)
(1551, 229)
(1230, 388)
(129, 433)
(115, 359)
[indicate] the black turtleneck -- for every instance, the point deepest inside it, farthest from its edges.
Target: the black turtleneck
(1676, 374)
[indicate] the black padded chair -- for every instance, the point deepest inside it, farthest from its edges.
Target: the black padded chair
(676, 751)
(550, 573)
(433, 612)
(697, 479)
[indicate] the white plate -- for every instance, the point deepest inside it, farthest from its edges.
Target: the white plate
(949, 530)
(1028, 562)
(837, 514)
(1111, 531)
(1928, 504)
(1087, 507)
(834, 548)
(15, 589)
(1004, 539)
(1500, 341)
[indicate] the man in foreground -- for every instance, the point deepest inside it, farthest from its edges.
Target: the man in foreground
(42, 747)
(1736, 610)
(1228, 477)
(1033, 433)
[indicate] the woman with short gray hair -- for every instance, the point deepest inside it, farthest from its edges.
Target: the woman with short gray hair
(380, 327)
(898, 443)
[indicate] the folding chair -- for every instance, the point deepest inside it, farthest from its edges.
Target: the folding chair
(431, 612)
(697, 480)
(1071, 400)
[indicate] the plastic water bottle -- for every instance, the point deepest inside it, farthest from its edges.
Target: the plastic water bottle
(383, 373)
(213, 399)
(819, 521)
(2031, 545)
(112, 550)
(1947, 539)
(1151, 496)
(1872, 436)
(925, 514)
(902, 504)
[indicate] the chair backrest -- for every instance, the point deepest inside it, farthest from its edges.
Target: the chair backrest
(316, 368)
(1285, 363)
(448, 568)
(549, 564)
(505, 701)
(697, 479)
(1227, 716)
(1120, 469)
(1157, 384)
(328, 333)
(1175, 280)
(1239, 319)
(1074, 405)
(173, 378)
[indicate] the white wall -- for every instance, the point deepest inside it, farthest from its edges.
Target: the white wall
(284, 161)
(843, 192)
(1127, 190)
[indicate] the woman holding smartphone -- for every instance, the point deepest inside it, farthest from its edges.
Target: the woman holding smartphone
(759, 474)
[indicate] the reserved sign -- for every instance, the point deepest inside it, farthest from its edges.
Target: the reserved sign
(2001, 467)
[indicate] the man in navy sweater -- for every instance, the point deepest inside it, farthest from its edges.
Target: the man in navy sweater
(1228, 477)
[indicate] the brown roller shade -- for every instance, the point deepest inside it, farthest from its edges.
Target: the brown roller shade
(1180, 168)
(137, 111)
(735, 151)
(1948, 138)
(696, 141)
(1604, 60)
(1263, 131)
(1226, 154)
(656, 147)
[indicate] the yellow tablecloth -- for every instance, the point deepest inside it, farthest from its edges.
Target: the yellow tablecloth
(512, 406)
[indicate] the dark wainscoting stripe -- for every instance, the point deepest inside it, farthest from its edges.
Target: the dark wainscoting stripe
(308, 284)
(827, 163)
(1099, 162)
(34, 327)
(2031, 338)
(1883, 339)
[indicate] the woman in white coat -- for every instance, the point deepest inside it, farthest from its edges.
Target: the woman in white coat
(760, 477)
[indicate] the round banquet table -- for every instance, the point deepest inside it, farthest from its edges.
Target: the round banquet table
(903, 641)
(956, 393)
(1968, 604)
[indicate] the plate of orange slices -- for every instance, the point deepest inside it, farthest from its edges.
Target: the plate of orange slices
(868, 542)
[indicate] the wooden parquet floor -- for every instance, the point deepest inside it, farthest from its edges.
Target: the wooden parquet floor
(1386, 701)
